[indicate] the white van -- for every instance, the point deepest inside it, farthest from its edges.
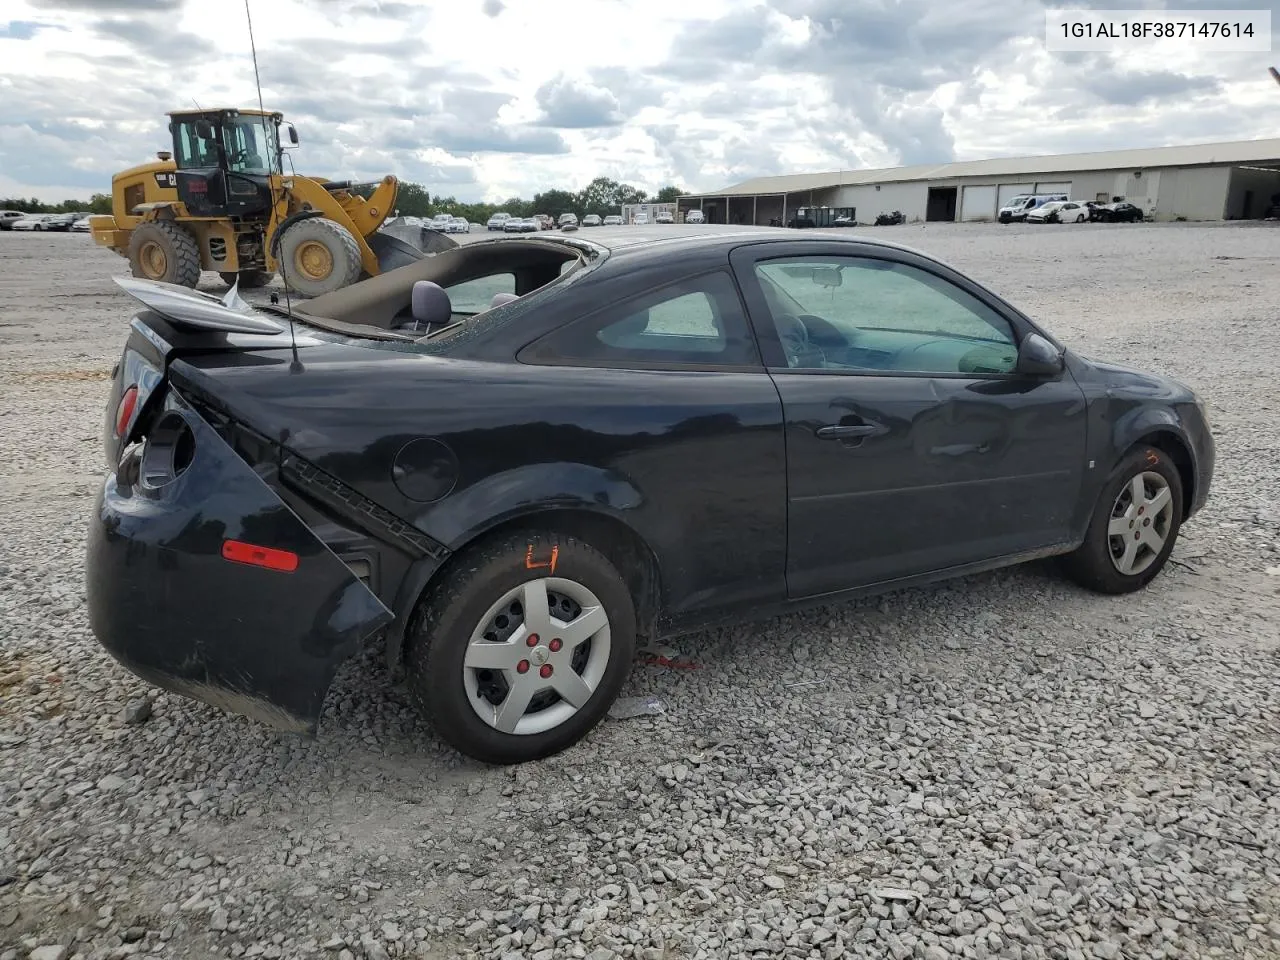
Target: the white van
(694, 216)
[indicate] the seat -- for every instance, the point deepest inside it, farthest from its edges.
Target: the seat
(430, 306)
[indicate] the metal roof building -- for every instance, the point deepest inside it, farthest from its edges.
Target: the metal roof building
(1205, 181)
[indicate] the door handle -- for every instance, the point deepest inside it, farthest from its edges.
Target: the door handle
(845, 431)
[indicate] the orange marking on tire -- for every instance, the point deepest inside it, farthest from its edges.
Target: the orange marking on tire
(1152, 457)
(531, 564)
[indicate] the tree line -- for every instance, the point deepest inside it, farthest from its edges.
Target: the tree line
(98, 203)
(601, 196)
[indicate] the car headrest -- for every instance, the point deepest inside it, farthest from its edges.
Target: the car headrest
(430, 304)
(500, 298)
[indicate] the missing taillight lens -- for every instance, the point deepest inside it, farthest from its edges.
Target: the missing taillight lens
(124, 412)
(169, 451)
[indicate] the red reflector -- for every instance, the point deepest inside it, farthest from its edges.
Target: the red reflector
(257, 556)
(124, 412)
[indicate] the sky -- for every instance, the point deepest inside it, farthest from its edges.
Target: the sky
(488, 99)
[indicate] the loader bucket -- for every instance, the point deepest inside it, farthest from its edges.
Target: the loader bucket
(392, 252)
(398, 243)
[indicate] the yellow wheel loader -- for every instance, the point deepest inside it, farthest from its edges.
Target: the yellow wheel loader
(222, 202)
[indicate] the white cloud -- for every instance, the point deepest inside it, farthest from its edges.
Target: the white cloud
(490, 98)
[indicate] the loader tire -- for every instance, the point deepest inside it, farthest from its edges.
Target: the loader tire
(164, 251)
(249, 279)
(318, 256)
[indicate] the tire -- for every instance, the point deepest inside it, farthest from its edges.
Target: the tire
(318, 256)
(1080, 218)
(249, 279)
(475, 603)
(1093, 564)
(165, 251)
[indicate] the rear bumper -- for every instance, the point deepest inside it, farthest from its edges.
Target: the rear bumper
(167, 604)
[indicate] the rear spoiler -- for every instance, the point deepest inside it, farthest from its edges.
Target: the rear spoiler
(194, 310)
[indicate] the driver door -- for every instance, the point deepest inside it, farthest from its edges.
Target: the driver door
(913, 445)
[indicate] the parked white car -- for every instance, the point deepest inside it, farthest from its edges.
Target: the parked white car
(81, 225)
(640, 219)
(513, 225)
(591, 220)
(497, 221)
(613, 220)
(694, 216)
(1059, 211)
(663, 217)
(7, 217)
(32, 221)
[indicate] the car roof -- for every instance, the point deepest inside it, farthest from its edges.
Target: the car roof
(632, 244)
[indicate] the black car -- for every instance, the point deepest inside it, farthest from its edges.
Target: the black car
(1119, 212)
(518, 456)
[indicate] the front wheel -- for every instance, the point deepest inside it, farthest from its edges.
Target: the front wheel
(519, 654)
(318, 256)
(1134, 525)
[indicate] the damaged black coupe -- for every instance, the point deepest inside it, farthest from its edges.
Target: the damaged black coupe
(517, 456)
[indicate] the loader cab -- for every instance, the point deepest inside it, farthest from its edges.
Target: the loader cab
(225, 160)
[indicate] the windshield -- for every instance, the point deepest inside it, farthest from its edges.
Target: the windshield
(249, 149)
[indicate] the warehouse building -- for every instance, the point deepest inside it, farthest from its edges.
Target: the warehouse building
(1208, 181)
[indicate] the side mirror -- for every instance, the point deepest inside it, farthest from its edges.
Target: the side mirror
(1037, 357)
(293, 134)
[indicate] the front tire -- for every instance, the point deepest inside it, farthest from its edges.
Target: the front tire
(1134, 526)
(318, 256)
(521, 651)
(166, 252)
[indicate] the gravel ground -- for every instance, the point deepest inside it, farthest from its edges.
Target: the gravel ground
(1004, 766)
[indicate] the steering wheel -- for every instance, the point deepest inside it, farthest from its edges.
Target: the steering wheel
(797, 347)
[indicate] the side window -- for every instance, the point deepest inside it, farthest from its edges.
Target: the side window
(697, 321)
(862, 314)
(476, 296)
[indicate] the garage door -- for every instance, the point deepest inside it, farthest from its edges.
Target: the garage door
(1010, 190)
(1054, 188)
(978, 203)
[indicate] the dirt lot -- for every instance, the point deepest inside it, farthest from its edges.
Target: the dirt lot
(1004, 766)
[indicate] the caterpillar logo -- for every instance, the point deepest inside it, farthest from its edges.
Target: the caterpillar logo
(166, 180)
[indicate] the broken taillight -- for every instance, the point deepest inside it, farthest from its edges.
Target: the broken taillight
(124, 412)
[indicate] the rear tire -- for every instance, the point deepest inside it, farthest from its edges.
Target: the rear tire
(470, 649)
(318, 256)
(1134, 526)
(249, 279)
(164, 251)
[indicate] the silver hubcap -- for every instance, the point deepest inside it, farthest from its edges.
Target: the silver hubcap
(537, 656)
(1141, 520)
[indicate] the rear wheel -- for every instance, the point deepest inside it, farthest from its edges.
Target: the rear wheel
(1134, 525)
(164, 251)
(519, 654)
(319, 256)
(249, 279)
